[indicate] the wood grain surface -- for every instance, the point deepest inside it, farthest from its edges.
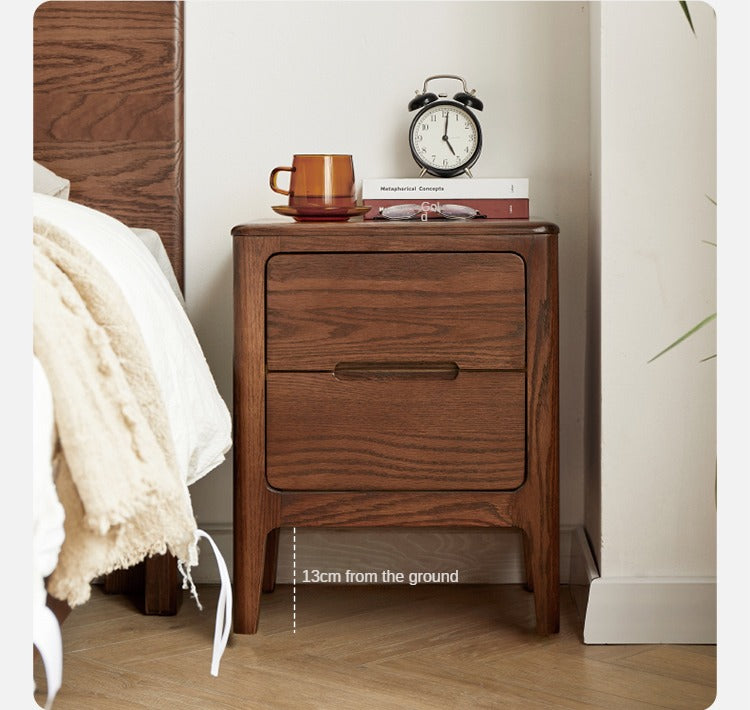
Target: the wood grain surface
(402, 433)
(108, 109)
(424, 647)
(475, 235)
(324, 309)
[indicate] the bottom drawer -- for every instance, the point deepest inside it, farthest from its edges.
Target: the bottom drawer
(395, 431)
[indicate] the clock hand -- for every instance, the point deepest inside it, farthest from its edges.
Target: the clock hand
(445, 138)
(445, 134)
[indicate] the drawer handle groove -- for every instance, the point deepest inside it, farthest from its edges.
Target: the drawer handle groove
(396, 370)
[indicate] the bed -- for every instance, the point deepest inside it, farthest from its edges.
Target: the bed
(126, 412)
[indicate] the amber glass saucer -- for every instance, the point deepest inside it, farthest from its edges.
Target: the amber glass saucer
(321, 214)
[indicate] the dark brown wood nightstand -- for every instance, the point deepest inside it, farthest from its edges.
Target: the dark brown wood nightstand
(395, 374)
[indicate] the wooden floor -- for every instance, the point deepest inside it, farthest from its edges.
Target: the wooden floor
(447, 647)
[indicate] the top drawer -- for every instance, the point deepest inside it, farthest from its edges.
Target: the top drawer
(386, 308)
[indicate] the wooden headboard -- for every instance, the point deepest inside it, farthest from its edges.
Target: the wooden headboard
(108, 116)
(108, 109)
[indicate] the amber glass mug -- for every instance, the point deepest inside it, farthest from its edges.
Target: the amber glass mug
(318, 181)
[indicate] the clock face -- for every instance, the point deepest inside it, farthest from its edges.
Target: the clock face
(445, 139)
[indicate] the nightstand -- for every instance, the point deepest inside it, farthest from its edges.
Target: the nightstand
(395, 374)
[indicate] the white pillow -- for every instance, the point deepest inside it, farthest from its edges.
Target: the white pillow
(48, 183)
(154, 244)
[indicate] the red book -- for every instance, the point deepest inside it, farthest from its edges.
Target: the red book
(492, 208)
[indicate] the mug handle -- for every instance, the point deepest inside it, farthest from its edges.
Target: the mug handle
(272, 180)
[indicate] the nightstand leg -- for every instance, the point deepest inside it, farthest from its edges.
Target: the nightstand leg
(272, 557)
(544, 557)
(248, 581)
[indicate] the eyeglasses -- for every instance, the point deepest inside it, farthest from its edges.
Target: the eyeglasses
(406, 212)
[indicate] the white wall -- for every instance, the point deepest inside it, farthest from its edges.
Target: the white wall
(658, 163)
(266, 80)
(650, 489)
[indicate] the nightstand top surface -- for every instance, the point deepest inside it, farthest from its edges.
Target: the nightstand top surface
(385, 229)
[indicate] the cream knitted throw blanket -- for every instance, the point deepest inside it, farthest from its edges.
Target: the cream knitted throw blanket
(116, 476)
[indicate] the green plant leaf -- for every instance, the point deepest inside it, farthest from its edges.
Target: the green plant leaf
(684, 7)
(685, 336)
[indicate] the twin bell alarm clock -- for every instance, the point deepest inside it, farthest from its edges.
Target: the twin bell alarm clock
(445, 137)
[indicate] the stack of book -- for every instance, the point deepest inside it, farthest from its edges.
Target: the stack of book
(496, 198)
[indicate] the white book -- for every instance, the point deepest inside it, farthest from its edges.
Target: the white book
(453, 188)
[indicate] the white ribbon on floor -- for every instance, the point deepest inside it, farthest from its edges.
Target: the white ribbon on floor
(47, 639)
(223, 607)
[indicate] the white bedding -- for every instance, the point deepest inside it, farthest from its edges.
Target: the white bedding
(198, 418)
(48, 513)
(200, 422)
(47, 529)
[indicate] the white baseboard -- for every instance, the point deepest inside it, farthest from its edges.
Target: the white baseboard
(482, 556)
(651, 610)
(583, 570)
